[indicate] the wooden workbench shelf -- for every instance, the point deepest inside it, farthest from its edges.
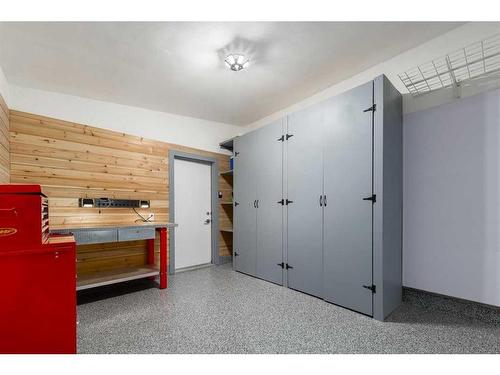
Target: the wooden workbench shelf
(102, 278)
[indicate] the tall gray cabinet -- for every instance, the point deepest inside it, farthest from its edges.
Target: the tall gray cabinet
(258, 170)
(304, 187)
(319, 198)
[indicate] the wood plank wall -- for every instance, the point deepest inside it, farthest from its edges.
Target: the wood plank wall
(4, 143)
(73, 161)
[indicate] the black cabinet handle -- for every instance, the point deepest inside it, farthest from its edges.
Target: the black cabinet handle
(288, 266)
(282, 265)
(236, 254)
(321, 201)
(372, 198)
(282, 202)
(287, 202)
(324, 200)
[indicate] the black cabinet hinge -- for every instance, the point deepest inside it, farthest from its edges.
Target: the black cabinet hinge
(372, 198)
(281, 139)
(287, 202)
(288, 266)
(288, 136)
(373, 108)
(236, 254)
(372, 287)
(282, 202)
(282, 265)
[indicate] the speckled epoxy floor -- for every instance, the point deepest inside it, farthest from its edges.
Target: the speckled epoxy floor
(217, 310)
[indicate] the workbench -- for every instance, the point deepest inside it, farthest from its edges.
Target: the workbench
(93, 234)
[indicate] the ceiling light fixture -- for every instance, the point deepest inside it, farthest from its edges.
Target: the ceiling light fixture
(236, 62)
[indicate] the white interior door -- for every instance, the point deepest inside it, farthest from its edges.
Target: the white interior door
(193, 213)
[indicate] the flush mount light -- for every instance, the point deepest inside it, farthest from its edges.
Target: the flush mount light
(236, 62)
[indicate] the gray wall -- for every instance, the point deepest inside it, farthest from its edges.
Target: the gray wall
(451, 235)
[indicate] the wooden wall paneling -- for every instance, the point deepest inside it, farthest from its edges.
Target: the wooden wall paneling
(4, 143)
(73, 161)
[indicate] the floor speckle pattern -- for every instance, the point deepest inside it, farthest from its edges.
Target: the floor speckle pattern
(217, 310)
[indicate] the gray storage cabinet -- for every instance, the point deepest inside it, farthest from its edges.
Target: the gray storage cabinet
(340, 203)
(269, 212)
(304, 168)
(245, 196)
(258, 215)
(348, 188)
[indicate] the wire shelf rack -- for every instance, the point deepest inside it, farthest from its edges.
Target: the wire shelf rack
(478, 60)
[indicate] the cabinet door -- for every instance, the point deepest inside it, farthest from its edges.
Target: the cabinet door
(304, 167)
(347, 217)
(245, 211)
(269, 153)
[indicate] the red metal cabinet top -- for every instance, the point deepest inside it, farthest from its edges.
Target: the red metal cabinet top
(20, 189)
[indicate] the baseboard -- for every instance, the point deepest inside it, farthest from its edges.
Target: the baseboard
(185, 269)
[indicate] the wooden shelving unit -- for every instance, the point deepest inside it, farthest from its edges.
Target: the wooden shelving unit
(226, 229)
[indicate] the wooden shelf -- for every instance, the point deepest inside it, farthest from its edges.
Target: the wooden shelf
(97, 279)
(226, 173)
(228, 230)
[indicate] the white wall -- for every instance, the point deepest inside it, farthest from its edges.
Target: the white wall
(452, 199)
(186, 131)
(4, 87)
(449, 42)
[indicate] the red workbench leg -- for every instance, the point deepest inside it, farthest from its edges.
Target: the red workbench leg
(163, 258)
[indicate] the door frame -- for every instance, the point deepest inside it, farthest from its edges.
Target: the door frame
(214, 180)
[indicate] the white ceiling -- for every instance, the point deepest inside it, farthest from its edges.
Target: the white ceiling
(178, 67)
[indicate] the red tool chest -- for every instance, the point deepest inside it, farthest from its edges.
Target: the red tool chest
(24, 216)
(37, 277)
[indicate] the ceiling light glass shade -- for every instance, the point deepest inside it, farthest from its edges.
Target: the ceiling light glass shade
(236, 62)
(230, 60)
